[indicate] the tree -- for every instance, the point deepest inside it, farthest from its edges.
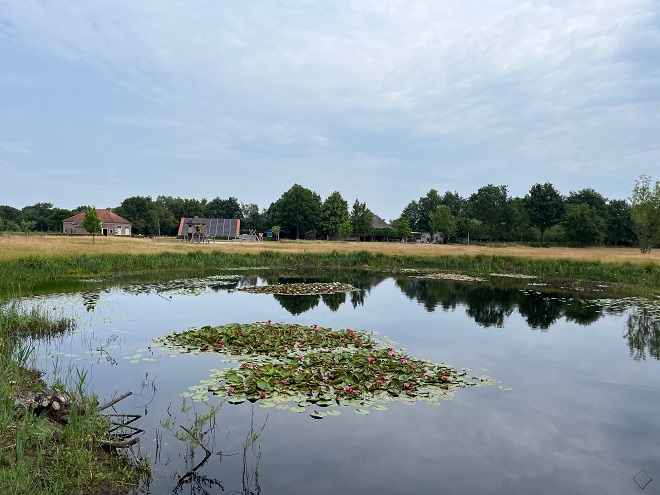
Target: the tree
(402, 228)
(489, 205)
(38, 213)
(346, 229)
(142, 212)
(442, 220)
(297, 209)
(455, 202)
(27, 225)
(619, 222)
(544, 206)
(645, 212)
(92, 223)
(276, 231)
(223, 208)
(427, 205)
(361, 219)
(583, 225)
(334, 212)
(412, 213)
(590, 197)
(252, 218)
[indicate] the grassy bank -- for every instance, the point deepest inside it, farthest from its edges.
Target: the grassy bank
(39, 456)
(44, 273)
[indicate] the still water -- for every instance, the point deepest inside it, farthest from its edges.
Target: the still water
(582, 415)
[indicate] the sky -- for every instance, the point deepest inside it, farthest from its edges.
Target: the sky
(381, 100)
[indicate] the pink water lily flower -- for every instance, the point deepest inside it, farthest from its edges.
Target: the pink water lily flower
(404, 361)
(230, 390)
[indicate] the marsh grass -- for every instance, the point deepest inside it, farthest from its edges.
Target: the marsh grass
(47, 272)
(38, 456)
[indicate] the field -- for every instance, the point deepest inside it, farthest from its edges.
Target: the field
(14, 247)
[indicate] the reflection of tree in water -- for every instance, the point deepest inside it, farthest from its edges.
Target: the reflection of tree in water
(297, 305)
(333, 301)
(643, 335)
(584, 314)
(360, 279)
(432, 294)
(490, 305)
(539, 311)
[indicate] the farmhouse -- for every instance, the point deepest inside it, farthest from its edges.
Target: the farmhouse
(111, 223)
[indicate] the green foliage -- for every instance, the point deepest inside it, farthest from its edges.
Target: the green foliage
(645, 212)
(361, 219)
(27, 225)
(402, 228)
(583, 225)
(142, 212)
(276, 231)
(490, 206)
(442, 220)
(297, 210)
(334, 212)
(544, 206)
(346, 229)
(619, 222)
(92, 223)
(223, 208)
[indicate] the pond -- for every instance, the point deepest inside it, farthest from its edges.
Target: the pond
(574, 409)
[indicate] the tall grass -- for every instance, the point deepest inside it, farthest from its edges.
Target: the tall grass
(38, 274)
(36, 455)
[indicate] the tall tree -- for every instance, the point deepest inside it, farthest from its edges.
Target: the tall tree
(544, 206)
(334, 212)
(645, 212)
(443, 221)
(583, 225)
(39, 214)
(142, 212)
(361, 219)
(402, 228)
(223, 208)
(252, 218)
(490, 205)
(297, 210)
(455, 202)
(427, 205)
(92, 223)
(26, 226)
(619, 222)
(412, 213)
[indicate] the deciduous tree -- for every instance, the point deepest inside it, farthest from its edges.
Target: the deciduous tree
(92, 223)
(583, 225)
(297, 210)
(334, 212)
(361, 219)
(645, 212)
(443, 221)
(544, 207)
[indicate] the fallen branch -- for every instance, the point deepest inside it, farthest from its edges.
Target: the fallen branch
(119, 445)
(114, 401)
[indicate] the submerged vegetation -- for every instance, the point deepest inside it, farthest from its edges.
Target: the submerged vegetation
(41, 456)
(311, 365)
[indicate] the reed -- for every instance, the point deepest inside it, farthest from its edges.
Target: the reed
(38, 456)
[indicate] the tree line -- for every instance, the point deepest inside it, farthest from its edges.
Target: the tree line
(583, 217)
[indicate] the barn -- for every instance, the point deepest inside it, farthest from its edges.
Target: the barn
(111, 223)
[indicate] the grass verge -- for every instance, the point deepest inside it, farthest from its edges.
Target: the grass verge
(38, 456)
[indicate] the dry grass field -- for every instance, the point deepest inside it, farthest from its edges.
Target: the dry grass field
(13, 247)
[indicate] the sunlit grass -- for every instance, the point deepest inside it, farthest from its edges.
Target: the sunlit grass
(14, 247)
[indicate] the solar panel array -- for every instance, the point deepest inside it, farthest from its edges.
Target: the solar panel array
(215, 227)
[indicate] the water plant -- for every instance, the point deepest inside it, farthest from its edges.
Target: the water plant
(312, 365)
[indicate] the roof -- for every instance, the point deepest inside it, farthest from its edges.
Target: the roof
(379, 223)
(106, 216)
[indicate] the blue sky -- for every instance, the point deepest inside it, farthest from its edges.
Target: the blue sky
(381, 100)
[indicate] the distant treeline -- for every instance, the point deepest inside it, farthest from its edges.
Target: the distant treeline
(583, 217)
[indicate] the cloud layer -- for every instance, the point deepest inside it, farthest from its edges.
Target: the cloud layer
(381, 100)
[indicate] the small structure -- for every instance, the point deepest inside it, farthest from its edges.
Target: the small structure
(111, 224)
(310, 235)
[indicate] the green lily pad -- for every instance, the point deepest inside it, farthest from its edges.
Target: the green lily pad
(362, 412)
(317, 415)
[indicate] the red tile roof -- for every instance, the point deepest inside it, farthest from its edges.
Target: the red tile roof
(106, 216)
